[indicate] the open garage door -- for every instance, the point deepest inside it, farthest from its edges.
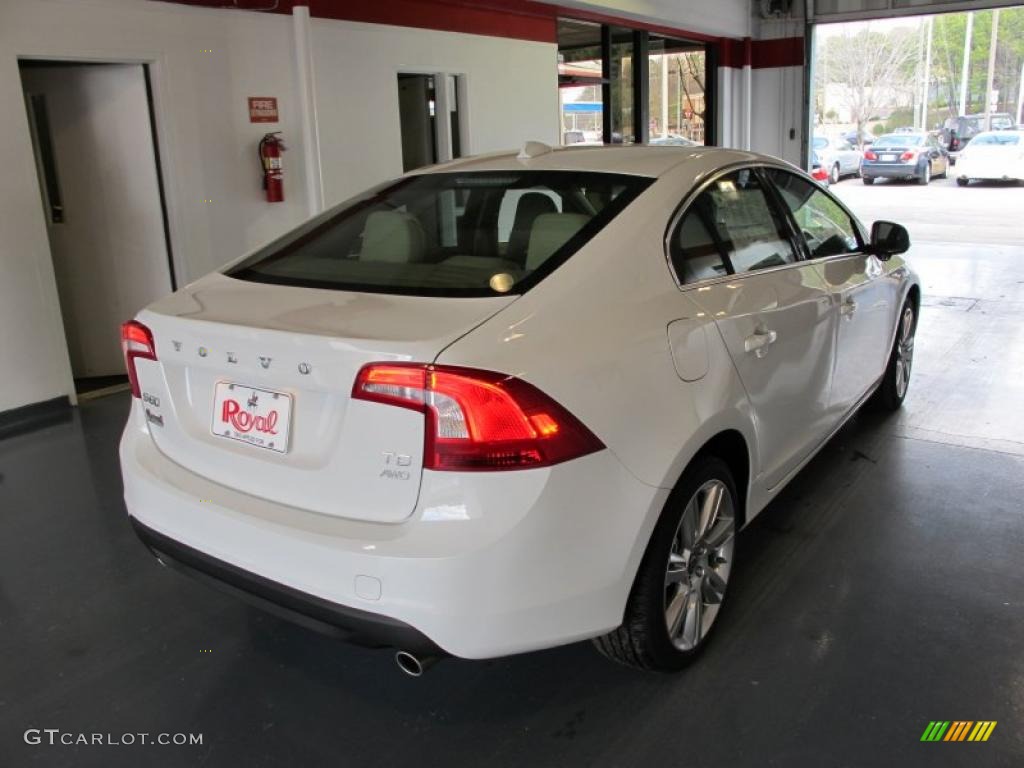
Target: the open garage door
(916, 119)
(825, 11)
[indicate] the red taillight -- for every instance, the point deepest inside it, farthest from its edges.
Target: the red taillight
(907, 156)
(869, 155)
(478, 420)
(136, 341)
(819, 174)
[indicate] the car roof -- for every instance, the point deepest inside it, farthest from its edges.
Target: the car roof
(633, 159)
(902, 135)
(1003, 132)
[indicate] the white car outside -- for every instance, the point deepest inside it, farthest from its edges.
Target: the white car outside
(993, 155)
(428, 429)
(838, 156)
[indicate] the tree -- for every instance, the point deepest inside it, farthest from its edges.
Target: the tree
(871, 67)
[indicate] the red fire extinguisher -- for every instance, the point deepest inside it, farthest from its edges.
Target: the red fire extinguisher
(270, 149)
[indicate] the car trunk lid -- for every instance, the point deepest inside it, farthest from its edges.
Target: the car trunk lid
(232, 353)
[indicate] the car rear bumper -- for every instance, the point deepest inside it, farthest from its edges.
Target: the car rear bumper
(489, 563)
(894, 171)
(988, 171)
(350, 624)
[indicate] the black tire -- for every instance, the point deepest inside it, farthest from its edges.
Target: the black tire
(925, 175)
(642, 640)
(890, 394)
(868, 180)
(962, 182)
(834, 175)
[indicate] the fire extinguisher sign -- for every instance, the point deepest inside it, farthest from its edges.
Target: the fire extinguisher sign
(263, 109)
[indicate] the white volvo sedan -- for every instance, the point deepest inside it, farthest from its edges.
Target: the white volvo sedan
(514, 401)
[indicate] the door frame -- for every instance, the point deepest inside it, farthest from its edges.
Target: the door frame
(443, 140)
(155, 68)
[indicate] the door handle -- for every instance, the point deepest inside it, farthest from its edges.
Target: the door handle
(848, 308)
(760, 340)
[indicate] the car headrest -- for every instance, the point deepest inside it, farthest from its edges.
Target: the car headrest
(550, 232)
(393, 237)
(528, 208)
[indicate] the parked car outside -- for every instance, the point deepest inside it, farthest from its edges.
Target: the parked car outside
(904, 156)
(838, 156)
(818, 171)
(864, 139)
(535, 416)
(957, 132)
(992, 155)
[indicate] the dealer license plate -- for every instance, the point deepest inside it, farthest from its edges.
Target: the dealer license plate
(259, 417)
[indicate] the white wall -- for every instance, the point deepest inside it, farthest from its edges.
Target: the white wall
(511, 95)
(777, 109)
(208, 147)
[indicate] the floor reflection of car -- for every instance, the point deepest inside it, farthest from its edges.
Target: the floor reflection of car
(838, 156)
(904, 156)
(992, 155)
(673, 140)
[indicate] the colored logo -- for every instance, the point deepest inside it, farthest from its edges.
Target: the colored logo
(245, 421)
(958, 730)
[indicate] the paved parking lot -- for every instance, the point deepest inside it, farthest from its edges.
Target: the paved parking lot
(988, 212)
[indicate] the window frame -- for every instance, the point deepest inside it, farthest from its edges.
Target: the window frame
(794, 235)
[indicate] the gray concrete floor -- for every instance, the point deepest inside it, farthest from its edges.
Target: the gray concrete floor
(883, 589)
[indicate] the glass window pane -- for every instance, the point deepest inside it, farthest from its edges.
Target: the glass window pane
(447, 234)
(741, 217)
(826, 227)
(695, 254)
(621, 75)
(676, 85)
(579, 82)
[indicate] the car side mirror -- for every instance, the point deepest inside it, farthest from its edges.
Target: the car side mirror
(889, 239)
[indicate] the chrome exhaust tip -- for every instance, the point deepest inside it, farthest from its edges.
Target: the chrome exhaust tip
(413, 665)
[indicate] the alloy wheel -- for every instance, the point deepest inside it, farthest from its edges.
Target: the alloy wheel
(904, 351)
(699, 564)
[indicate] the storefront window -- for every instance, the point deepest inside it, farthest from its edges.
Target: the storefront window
(619, 85)
(676, 75)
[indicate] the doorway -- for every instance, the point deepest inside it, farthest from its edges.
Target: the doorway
(94, 142)
(430, 116)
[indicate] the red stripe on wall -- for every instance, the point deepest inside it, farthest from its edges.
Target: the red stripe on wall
(781, 52)
(762, 54)
(518, 19)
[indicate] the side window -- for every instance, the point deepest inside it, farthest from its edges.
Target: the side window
(735, 216)
(695, 253)
(825, 226)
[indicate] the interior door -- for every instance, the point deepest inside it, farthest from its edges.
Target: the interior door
(774, 313)
(857, 283)
(94, 145)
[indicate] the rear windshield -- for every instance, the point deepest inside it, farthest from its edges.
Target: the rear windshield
(819, 142)
(897, 140)
(1002, 139)
(1002, 121)
(448, 234)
